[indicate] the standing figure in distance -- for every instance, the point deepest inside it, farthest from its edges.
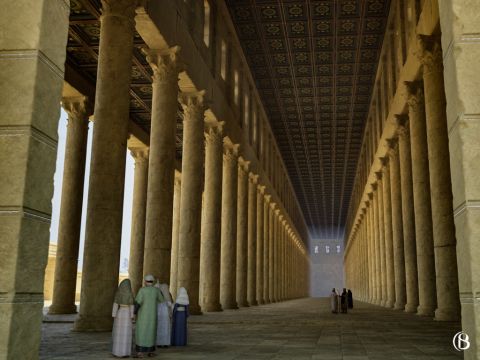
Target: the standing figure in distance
(164, 314)
(146, 327)
(334, 301)
(122, 312)
(179, 321)
(350, 299)
(344, 301)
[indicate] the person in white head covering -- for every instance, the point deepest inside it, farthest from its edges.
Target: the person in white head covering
(179, 321)
(164, 317)
(146, 326)
(122, 312)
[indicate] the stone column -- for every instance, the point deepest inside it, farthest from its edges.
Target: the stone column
(175, 234)
(252, 240)
(397, 225)
(421, 200)
(139, 207)
(266, 235)
(282, 261)
(376, 247)
(381, 234)
(387, 211)
(107, 167)
(260, 234)
(212, 218)
(228, 260)
(271, 265)
(161, 167)
(191, 199)
(276, 257)
(368, 203)
(408, 215)
(63, 301)
(448, 301)
(242, 233)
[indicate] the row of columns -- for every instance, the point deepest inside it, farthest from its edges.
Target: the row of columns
(236, 247)
(402, 253)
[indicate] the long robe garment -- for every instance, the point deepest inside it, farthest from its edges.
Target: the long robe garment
(179, 325)
(344, 302)
(122, 330)
(350, 299)
(334, 302)
(164, 326)
(146, 327)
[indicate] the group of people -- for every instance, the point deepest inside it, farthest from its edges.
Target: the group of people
(159, 322)
(341, 303)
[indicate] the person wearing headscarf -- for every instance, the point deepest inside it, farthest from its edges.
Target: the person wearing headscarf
(164, 317)
(350, 299)
(179, 320)
(122, 313)
(344, 301)
(334, 301)
(146, 327)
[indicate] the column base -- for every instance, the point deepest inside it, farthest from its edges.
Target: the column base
(261, 302)
(399, 306)
(243, 304)
(411, 308)
(253, 303)
(62, 309)
(389, 304)
(212, 307)
(195, 310)
(425, 311)
(447, 315)
(93, 323)
(232, 306)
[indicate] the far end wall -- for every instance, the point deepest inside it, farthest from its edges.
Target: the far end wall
(326, 267)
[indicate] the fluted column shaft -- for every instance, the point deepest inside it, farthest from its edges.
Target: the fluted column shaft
(107, 167)
(421, 200)
(387, 210)
(242, 233)
(271, 265)
(448, 301)
(175, 234)
(397, 227)
(276, 258)
(191, 199)
(229, 227)
(63, 301)
(252, 240)
(370, 249)
(260, 234)
(408, 216)
(376, 238)
(266, 236)
(161, 174)
(139, 208)
(381, 233)
(211, 219)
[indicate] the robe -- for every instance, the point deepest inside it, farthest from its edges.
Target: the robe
(350, 299)
(122, 330)
(334, 302)
(146, 326)
(179, 325)
(164, 325)
(344, 302)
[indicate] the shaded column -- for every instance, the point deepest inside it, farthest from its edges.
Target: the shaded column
(139, 207)
(260, 234)
(381, 234)
(266, 236)
(161, 167)
(242, 233)
(175, 234)
(271, 264)
(103, 230)
(408, 215)
(228, 260)
(444, 241)
(371, 289)
(421, 200)
(211, 219)
(276, 257)
(376, 246)
(252, 240)
(397, 225)
(191, 198)
(63, 301)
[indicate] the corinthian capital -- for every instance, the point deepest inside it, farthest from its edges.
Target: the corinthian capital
(230, 150)
(414, 92)
(77, 107)
(253, 178)
(430, 54)
(193, 104)
(123, 8)
(392, 146)
(164, 63)
(243, 164)
(402, 122)
(214, 132)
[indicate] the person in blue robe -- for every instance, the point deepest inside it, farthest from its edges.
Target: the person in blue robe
(179, 319)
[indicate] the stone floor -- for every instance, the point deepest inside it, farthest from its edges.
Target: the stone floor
(298, 329)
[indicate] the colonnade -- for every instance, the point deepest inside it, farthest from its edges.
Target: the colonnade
(213, 227)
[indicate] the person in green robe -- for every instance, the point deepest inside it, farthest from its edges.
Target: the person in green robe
(146, 324)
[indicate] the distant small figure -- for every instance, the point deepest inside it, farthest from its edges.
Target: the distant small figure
(334, 301)
(344, 301)
(179, 319)
(350, 299)
(164, 315)
(122, 312)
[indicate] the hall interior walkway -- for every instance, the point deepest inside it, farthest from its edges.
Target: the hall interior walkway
(297, 329)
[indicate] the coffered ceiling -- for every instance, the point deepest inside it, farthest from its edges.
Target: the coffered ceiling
(314, 63)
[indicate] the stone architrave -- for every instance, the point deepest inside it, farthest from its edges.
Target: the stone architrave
(266, 235)
(448, 300)
(68, 242)
(229, 226)
(175, 233)
(191, 198)
(397, 225)
(242, 233)
(252, 240)
(211, 219)
(139, 207)
(101, 260)
(161, 167)
(408, 216)
(260, 249)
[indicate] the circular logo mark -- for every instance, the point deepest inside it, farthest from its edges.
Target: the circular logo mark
(461, 341)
